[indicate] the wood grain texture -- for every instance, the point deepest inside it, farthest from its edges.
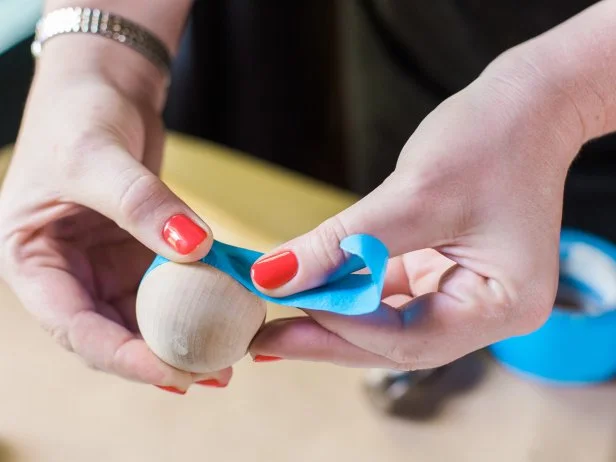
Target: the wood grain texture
(197, 318)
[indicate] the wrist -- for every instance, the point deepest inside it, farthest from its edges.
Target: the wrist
(577, 59)
(75, 57)
(549, 113)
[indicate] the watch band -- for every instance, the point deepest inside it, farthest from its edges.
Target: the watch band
(105, 24)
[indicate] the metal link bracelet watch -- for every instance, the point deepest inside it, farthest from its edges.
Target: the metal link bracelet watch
(108, 25)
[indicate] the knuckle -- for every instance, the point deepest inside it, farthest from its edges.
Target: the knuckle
(141, 196)
(532, 318)
(405, 359)
(59, 334)
(324, 244)
(493, 312)
(92, 366)
(331, 341)
(405, 367)
(497, 306)
(533, 308)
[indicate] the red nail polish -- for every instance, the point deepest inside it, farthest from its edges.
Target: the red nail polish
(266, 359)
(183, 234)
(211, 383)
(276, 270)
(171, 389)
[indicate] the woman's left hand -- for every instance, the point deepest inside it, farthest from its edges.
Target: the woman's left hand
(471, 217)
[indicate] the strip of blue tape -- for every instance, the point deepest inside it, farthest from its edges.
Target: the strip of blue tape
(573, 348)
(345, 293)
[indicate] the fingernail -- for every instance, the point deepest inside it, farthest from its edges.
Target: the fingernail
(275, 271)
(212, 383)
(183, 234)
(266, 359)
(171, 389)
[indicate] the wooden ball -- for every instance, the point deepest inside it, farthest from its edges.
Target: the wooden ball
(197, 318)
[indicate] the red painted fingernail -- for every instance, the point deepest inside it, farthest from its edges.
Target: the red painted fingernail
(171, 389)
(212, 383)
(183, 234)
(266, 359)
(275, 270)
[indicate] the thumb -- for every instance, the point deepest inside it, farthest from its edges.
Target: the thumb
(392, 213)
(115, 184)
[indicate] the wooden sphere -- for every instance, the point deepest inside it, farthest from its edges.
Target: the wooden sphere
(197, 318)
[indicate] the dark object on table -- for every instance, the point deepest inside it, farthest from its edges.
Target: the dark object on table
(421, 395)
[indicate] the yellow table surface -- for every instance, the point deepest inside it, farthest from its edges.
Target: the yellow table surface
(52, 408)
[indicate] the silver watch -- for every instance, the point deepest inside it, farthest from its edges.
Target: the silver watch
(97, 22)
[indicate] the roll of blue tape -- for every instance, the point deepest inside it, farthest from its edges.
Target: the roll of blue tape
(574, 347)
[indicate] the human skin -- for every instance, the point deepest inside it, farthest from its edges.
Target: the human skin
(82, 208)
(471, 215)
(481, 182)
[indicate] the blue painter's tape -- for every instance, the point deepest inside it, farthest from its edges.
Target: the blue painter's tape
(573, 348)
(345, 293)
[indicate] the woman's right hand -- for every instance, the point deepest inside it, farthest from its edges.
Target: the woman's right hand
(82, 211)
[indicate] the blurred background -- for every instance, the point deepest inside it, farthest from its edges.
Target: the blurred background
(333, 89)
(309, 102)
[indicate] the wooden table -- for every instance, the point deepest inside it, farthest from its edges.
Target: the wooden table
(52, 408)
